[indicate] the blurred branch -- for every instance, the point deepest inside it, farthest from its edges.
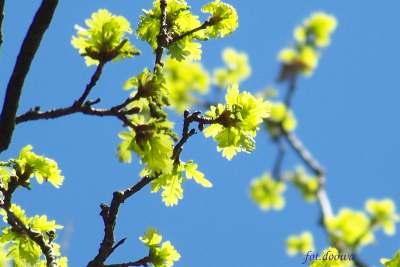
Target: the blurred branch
(308, 159)
(30, 45)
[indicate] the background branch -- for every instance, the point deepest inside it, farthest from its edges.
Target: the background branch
(25, 57)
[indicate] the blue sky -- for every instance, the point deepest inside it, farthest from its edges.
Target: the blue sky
(347, 116)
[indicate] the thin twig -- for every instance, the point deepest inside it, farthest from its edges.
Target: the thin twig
(203, 26)
(31, 43)
(93, 80)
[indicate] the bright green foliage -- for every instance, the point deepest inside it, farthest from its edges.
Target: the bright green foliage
(394, 262)
(308, 185)
(223, 17)
(21, 249)
(104, 39)
(331, 257)
(304, 59)
(236, 68)
(152, 136)
(351, 227)
(383, 213)
(317, 29)
(183, 79)
(193, 173)
(268, 193)
(44, 169)
(300, 244)
(171, 183)
(6, 171)
(152, 144)
(161, 254)
(238, 122)
(281, 116)
(315, 33)
(149, 85)
(180, 20)
(4, 258)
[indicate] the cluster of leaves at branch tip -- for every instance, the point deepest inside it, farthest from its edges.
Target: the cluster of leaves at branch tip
(300, 244)
(239, 120)
(356, 228)
(236, 69)
(314, 34)
(307, 184)
(105, 38)
(267, 193)
(162, 254)
(19, 249)
(222, 21)
(281, 118)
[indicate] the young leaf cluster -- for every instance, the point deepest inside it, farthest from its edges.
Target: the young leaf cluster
(184, 29)
(236, 69)
(300, 244)
(268, 193)
(356, 228)
(162, 254)
(105, 38)
(238, 122)
(313, 34)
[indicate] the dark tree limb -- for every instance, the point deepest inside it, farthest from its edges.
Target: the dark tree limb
(30, 45)
(1, 20)
(109, 214)
(142, 262)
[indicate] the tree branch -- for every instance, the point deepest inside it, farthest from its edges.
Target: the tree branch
(93, 80)
(142, 262)
(203, 26)
(162, 38)
(18, 226)
(25, 57)
(109, 215)
(186, 133)
(1, 20)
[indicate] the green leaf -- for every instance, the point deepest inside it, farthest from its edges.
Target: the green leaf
(161, 254)
(44, 169)
(267, 193)
(238, 122)
(197, 176)
(351, 227)
(236, 70)
(300, 244)
(103, 38)
(383, 214)
(394, 262)
(223, 17)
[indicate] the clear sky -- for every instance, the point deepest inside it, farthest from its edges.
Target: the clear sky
(348, 116)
